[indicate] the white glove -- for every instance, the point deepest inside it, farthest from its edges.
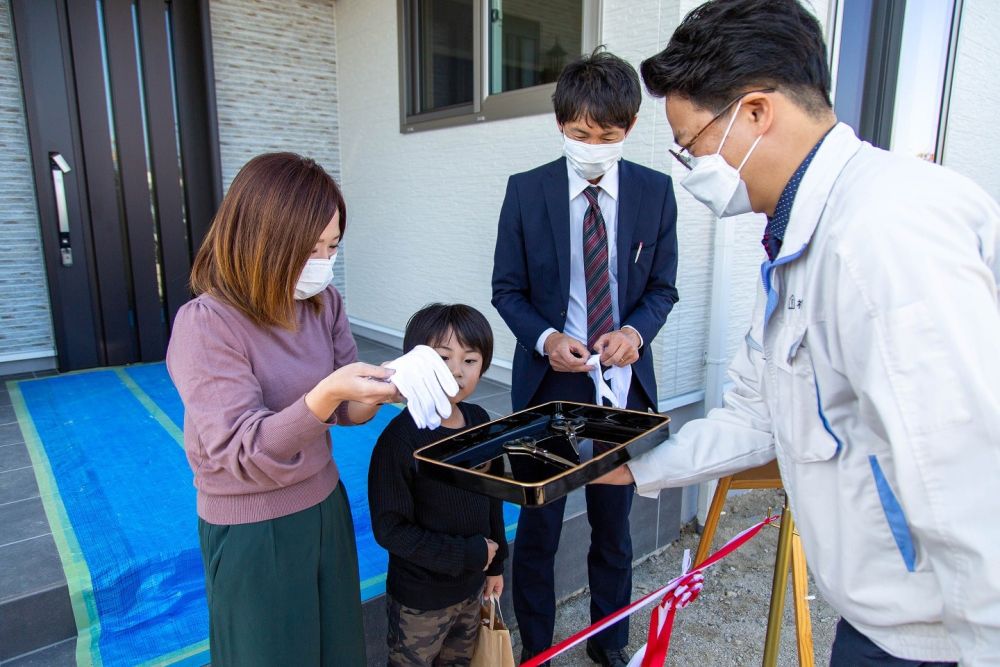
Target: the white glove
(620, 378)
(424, 379)
(415, 398)
(603, 390)
(411, 378)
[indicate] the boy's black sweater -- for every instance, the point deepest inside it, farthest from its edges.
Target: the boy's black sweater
(435, 534)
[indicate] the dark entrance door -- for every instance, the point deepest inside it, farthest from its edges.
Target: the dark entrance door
(119, 98)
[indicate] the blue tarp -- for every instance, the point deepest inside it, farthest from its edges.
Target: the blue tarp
(107, 443)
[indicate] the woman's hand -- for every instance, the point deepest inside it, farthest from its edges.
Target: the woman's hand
(365, 383)
(494, 586)
(359, 382)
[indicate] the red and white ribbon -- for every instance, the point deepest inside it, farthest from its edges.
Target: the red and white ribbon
(677, 594)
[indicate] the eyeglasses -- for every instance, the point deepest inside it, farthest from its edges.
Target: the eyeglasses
(684, 154)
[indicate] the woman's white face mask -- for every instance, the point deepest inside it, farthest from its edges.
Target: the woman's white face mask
(316, 275)
(718, 185)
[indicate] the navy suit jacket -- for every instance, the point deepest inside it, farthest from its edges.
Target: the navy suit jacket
(531, 264)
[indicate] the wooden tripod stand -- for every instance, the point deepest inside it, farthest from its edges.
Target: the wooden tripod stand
(789, 549)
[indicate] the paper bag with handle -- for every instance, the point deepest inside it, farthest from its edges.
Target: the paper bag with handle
(493, 647)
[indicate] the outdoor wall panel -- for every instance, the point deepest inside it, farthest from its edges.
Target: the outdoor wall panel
(25, 316)
(972, 141)
(276, 85)
(424, 206)
(635, 31)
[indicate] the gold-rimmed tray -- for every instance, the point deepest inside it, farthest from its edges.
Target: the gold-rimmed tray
(538, 455)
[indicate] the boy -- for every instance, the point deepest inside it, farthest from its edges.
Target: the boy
(586, 259)
(446, 546)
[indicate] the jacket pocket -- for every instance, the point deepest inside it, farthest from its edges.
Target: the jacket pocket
(806, 435)
(642, 253)
(894, 515)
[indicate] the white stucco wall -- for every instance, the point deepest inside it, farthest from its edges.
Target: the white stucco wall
(276, 83)
(972, 139)
(424, 206)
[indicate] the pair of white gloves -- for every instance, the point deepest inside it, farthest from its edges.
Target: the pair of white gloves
(619, 377)
(425, 381)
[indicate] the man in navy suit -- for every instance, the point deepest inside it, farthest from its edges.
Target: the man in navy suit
(586, 260)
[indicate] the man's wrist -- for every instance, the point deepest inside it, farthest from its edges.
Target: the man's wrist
(540, 345)
(635, 335)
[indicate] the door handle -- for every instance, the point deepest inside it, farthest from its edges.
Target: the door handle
(59, 166)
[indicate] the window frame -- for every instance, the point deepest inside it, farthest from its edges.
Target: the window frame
(880, 71)
(484, 107)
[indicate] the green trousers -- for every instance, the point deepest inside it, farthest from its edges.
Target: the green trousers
(285, 591)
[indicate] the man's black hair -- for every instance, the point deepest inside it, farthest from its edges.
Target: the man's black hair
(727, 47)
(430, 325)
(601, 87)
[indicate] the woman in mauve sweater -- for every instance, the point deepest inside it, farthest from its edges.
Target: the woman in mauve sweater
(265, 363)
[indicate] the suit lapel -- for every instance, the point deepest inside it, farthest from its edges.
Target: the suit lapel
(629, 194)
(556, 188)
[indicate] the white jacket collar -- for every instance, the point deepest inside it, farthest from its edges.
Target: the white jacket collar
(834, 153)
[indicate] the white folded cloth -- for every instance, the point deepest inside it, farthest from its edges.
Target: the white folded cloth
(424, 379)
(619, 377)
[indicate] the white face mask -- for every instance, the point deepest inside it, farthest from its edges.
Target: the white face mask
(716, 184)
(591, 161)
(315, 276)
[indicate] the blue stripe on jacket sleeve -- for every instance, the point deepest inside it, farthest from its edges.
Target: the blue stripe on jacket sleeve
(894, 514)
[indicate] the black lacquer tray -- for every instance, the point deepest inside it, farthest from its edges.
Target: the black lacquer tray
(546, 451)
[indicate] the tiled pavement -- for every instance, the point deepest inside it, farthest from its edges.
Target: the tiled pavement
(34, 602)
(32, 584)
(35, 609)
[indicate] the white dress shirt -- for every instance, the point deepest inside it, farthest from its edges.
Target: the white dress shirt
(607, 200)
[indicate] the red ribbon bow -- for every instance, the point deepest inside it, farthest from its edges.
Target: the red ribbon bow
(677, 594)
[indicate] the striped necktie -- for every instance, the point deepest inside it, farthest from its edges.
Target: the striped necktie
(600, 319)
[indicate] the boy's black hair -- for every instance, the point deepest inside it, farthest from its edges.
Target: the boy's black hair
(727, 47)
(601, 87)
(430, 325)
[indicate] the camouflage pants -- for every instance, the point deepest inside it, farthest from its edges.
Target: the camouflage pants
(432, 638)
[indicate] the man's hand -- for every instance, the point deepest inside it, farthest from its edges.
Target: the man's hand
(566, 354)
(491, 551)
(620, 476)
(494, 586)
(618, 348)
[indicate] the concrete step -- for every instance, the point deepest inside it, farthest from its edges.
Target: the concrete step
(59, 654)
(35, 610)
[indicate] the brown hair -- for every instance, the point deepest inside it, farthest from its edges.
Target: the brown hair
(268, 223)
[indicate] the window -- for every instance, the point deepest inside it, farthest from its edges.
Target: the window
(467, 61)
(893, 75)
(919, 108)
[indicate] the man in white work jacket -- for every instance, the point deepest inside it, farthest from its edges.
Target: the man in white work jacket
(871, 370)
